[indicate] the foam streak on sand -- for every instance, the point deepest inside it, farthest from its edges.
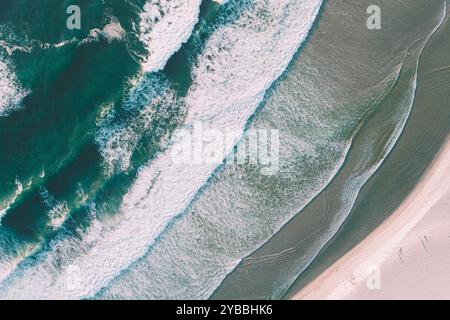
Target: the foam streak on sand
(240, 62)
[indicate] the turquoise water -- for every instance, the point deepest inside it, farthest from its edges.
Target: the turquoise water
(91, 204)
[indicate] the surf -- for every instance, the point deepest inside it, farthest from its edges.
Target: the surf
(240, 61)
(11, 91)
(165, 25)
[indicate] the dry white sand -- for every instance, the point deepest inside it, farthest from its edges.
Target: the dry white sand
(406, 257)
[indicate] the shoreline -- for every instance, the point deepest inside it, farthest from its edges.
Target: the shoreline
(353, 269)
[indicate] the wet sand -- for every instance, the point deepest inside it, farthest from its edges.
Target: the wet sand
(405, 257)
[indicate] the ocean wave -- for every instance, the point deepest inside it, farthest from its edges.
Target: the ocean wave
(57, 210)
(9, 262)
(17, 193)
(229, 219)
(395, 120)
(11, 91)
(12, 42)
(165, 25)
(240, 62)
(118, 137)
(146, 211)
(232, 218)
(12, 48)
(111, 31)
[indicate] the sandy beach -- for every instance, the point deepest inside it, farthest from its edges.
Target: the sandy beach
(406, 257)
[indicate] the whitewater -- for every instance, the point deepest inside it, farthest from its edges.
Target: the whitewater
(165, 25)
(240, 61)
(11, 92)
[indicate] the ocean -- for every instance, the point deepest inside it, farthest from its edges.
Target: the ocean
(93, 203)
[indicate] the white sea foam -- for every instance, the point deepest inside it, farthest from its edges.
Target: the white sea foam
(57, 210)
(234, 216)
(8, 264)
(241, 60)
(11, 91)
(113, 30)
(10, 49)
(118, 138)
(165, 25)
(10, 42)
(9, 202)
